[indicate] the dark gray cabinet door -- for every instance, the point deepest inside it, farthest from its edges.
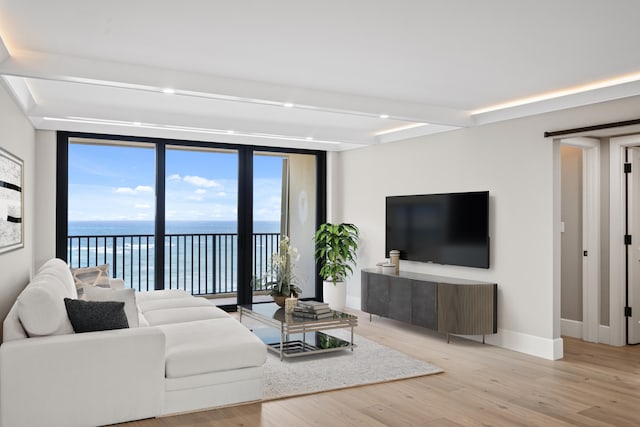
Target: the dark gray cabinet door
(364, 291)
(400, 299)
(378, 295)
(424, 304)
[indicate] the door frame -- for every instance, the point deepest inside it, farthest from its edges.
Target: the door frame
(617, 211)
(590, 235)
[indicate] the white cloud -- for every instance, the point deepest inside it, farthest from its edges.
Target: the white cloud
(199, 181)
(134, 191)
(201, 191)
(221, 194)
(142, 206)
(195, 197)
(174, 177)
(125, 190)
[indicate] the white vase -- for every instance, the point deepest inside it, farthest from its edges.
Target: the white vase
(335, 295)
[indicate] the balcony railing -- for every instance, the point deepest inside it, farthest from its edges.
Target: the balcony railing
(201, 264)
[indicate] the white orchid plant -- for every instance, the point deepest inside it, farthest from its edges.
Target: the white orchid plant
(280, 278)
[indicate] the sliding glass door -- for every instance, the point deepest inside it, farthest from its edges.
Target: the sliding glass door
(284, 205)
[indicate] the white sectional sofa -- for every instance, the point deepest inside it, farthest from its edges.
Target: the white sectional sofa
(185, 355)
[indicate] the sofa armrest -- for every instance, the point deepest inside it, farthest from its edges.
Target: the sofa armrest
(93, 378)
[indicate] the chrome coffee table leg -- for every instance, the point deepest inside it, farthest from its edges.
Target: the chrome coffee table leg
(351, 338)
(281, 342)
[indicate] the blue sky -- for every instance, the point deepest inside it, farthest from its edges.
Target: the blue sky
(117, 183)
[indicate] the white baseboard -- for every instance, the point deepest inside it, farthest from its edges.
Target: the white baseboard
(571, 328)
(604, 335)
(547, 348)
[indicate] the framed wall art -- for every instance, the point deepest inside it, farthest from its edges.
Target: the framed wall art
(11, 202)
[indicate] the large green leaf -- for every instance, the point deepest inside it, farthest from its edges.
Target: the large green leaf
(336, 250)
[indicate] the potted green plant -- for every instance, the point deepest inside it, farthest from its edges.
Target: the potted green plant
(280, 278)
(335, 251)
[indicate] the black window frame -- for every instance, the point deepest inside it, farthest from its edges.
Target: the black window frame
(245, 198)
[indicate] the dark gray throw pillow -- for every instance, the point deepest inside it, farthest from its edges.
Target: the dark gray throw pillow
(90, 316)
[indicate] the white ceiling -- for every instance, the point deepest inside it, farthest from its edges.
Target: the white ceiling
(430, 65)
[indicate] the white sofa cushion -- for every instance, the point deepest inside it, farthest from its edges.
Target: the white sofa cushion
(142, 321)
(60, 269)
(166, 293)
(127, 296)
(116, 283)
(184, 314)
(164, 303)
(41, 307)
(214, 345)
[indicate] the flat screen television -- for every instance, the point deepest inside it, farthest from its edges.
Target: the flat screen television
(450, 229)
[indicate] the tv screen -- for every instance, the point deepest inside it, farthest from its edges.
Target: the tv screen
(448, 228)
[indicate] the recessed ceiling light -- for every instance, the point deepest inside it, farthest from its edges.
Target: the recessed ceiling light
(384, 116)
(168, 91)
(309, 138)
(288, 104)
(230, 132)
(137, 123)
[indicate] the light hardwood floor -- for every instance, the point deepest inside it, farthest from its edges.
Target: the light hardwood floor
(594, 385)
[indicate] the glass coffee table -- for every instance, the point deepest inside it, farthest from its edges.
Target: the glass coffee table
(298, 336)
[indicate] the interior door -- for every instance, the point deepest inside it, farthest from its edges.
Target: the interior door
(633, 253)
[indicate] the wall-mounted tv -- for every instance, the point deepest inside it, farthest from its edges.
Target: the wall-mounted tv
(450, 228)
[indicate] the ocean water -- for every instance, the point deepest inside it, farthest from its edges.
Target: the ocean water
(99, 228)
(200, 256)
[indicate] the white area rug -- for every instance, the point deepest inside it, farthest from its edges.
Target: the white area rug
(369, 363)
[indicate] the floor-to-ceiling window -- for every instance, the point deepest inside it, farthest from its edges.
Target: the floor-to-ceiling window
(201, 217)
(111, 209)
(201, 228)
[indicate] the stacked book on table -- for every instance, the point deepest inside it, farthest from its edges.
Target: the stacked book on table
(312, 310)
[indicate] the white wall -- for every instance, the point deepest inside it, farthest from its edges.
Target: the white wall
(302, 217)
(516, 164)
(17, 137)
(45, 216)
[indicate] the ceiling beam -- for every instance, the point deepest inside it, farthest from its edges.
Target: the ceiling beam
(413, 132)
(21, 93)
(38, 65)
(4, 52)
(574, 100)
(185, 134)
